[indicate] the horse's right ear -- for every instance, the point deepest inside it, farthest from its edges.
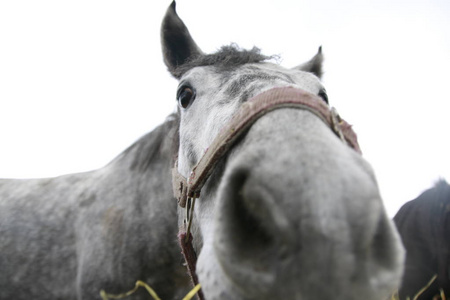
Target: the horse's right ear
(177, 44)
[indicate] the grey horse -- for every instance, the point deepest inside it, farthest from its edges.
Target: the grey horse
(289, 212)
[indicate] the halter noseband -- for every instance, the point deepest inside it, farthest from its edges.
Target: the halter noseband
(186, 190)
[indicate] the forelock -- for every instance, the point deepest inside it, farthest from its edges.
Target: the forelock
(226, 58)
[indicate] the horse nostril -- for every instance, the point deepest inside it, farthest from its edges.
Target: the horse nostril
(243, 218)
(244, 243)
(252, 223)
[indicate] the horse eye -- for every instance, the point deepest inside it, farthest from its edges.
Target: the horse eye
(324, 96)
(185, 96)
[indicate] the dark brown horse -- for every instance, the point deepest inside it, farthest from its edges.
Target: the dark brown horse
(424, 225)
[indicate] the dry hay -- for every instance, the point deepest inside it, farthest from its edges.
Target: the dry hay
(441, 295)
(195, 290)
(152, 293)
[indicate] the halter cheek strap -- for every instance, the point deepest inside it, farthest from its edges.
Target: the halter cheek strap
(186, 190)
(250, 111)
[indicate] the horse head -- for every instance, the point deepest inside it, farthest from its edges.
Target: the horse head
(289, 211)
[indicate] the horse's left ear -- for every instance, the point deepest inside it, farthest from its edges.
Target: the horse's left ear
(178, 46)
(314, 65)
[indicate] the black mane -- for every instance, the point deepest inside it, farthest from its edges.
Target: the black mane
(224, 59)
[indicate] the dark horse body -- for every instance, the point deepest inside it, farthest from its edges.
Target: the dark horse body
(424, 226)
(290, 211)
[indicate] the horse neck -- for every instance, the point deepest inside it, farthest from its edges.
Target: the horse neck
(144, 169)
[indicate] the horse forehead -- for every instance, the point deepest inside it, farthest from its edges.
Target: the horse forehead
(250, 73)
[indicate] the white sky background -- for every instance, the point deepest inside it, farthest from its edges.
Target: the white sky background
(81, 80)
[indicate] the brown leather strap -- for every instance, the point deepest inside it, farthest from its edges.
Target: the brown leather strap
(250, 111)
(190, 257)
(179, 186)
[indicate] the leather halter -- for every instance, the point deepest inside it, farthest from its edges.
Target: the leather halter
(187, 190)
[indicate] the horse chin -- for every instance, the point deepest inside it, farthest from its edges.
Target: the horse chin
(222, 280)
(225, 279)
